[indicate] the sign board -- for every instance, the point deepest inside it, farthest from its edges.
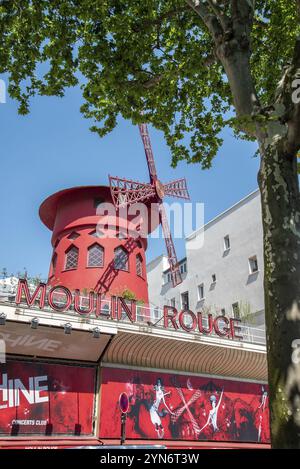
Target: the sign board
(46, 399)
(170, 406)
(20, 339)
(60, 299)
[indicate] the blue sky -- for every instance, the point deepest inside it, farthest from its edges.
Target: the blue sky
(52, 148)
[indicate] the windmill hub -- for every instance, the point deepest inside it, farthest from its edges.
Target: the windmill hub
(160, 189)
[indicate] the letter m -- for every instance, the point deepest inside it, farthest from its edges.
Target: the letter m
(23, 291)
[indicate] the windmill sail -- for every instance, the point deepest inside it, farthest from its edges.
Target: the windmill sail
(126, 192)
(172, 257)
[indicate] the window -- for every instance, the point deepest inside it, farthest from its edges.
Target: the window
(201, 292)
(139, 265)
(71, 258)
(156, 313)
(168, 277)
(236, 310)
(121, 259)
(97, 233)
(173, 302)
(185, 300)
(95, 256)
(226, 243)
(183, 268)
(253, 264)
(214, 278)
(139, 313)
(73, 235)
(223, 312)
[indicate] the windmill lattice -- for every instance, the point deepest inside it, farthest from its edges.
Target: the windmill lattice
(126, 192)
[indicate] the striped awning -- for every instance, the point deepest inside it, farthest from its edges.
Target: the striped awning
(147, 351)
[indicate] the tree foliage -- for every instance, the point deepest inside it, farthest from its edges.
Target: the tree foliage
(150, 60)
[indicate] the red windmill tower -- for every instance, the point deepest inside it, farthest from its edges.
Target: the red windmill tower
(126, 192)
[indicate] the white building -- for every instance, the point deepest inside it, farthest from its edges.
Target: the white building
(8, 285)
(225, 275)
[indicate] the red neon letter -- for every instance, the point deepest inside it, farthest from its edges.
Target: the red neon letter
(168, 317)
(186, 328)
(80, 309)
(124, 308)
(65, 306)
(225, 332)
(113, 307)
(202, 329)
(234, 328)
(103, 307)
(23, 288)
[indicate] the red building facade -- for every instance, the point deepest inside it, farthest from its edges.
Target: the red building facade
(92, 252)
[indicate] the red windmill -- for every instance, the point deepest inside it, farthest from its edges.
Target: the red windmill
(126, 192)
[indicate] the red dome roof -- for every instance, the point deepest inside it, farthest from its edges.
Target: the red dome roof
(48, 208)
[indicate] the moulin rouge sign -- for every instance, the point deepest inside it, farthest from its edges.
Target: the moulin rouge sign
(172, 319)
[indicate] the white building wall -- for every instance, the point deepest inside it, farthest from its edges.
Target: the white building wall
(234, 282)
(155, 277)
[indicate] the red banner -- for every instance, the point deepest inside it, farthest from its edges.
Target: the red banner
(46, 399)
(169, 406)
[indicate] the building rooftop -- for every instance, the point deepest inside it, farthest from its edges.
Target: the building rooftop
(226, 212)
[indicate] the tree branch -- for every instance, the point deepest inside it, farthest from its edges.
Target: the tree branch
(242, 17)
(208, 18)
(152, 82)
(147, 84)
(233, 51)
(219, 12)
(242, 8)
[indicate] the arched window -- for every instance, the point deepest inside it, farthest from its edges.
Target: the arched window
(71, 258)
(73, 235)
(139, 265)
(97, 233)
(95, 256)
(121, 259)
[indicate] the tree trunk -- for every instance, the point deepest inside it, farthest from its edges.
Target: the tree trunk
(279, 185)
(237, 68)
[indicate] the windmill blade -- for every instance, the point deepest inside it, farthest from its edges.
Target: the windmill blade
(175, 272)
(177, 188)
(125, 192)
(148, 151)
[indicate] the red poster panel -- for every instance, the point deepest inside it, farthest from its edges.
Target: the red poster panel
(46, 399)
(173, 407)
